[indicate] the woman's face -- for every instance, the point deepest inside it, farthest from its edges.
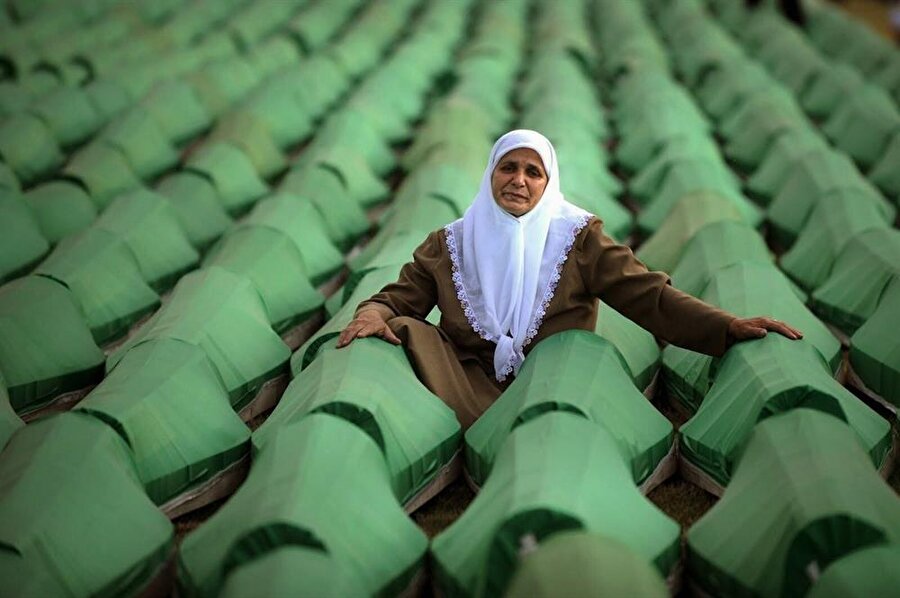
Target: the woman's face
(518, 181)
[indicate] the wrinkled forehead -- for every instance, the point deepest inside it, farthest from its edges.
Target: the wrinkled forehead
(526, 154)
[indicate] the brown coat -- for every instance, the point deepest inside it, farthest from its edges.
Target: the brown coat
(597, 267)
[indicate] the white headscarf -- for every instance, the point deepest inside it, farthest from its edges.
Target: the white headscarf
(506, 268)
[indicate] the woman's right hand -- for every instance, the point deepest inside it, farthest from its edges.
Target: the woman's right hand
(367, 323)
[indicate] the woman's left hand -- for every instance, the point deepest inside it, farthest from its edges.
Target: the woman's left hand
(742, 329)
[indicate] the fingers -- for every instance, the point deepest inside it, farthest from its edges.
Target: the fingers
(782, 329)
(362, 329)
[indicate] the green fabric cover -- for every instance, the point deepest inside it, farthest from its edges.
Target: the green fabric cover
(355, 174)
(762, 379)
(167, 401)
(74, 519)
(275, 53)
(304, 490)
(221, 83)
(884, 174)
(343, 217)
(223, 314)
(538, 488)
(830, 226)
(298, 571)
(8, 180)
(22, 244)
(637, 346)
(69, 114)
(716, 246)
(103, 172)
(146, 222)
(9, 421)
(863, 124)
(862, 271)
(142, 141)
(582, 565)
(664, 249)
(283, 111)
(576, 372)
(375, 278)
(300, 221)
(804, 494)
(105, 280)
(873, 571)
(109, 97)
(750, 145)
(269, 259)
(197, 206)
(746, 289)
(33, 309)
(875, 347)
(350, 129)
(61, 208)
(174, 105)
(231, 172)
(829, 88)
(778, 164)
(28, 146)
(252, 136)
(690, 179)
(819, 177)
(372, 385)
(648, 181)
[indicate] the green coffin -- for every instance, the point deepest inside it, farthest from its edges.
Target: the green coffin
(371, 384)
(875, 347)
(863, 123)
(638, 347)
(8, 180)
(830, 226)
(284, 113)
(304, 490)
(28, 146)
(223, 314)
(804, 494)
(105, 279)
(746, 289)
(355, 173)
(716, 246)
(862, 271)
(178, 111)
(343, 217)
(146, 222)
(885, 174)
(581, 373)
(253, 137)
(142, 142)
(299, 571)
(103, 171)
(664, 249)
(300, 221)
(61, 208)
(74, 519)
(870, 571)
(765, 378)
(197, 206)
(352, 129)
(70, 115)
(540, 486)
(778, 164)
(231, 172)
(269, 259)
(22, 244)
(168, 402)
(33, 309)
(579, 565)
(648, 181)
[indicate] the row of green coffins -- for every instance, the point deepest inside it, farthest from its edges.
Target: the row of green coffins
(196, 345)
(808, 187)
(251, 249)
(858, 117)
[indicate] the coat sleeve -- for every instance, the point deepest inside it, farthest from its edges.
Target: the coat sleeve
(415, 292)
(612, 273)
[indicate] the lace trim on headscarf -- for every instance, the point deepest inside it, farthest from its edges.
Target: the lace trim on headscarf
(538, 318)
(461, 294)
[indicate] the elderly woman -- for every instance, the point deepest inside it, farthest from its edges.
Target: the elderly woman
(523, 264)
